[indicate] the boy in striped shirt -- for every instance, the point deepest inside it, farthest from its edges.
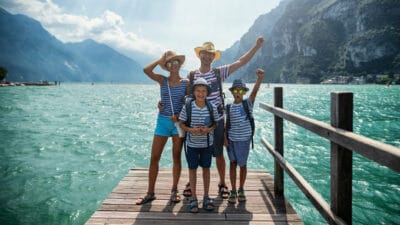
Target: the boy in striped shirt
(239, 130)
(198, 118)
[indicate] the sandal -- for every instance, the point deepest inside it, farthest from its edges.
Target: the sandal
(194, 206)
(232, 197)
(223, 191)
(241, 195)
(148, 198)
(187, 192)
(175, 198)
(208, 204)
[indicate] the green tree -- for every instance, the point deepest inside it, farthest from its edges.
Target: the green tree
(3, 73)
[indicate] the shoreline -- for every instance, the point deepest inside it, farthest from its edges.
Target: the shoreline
(42, 83)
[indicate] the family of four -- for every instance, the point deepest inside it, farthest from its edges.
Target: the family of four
(202, 118)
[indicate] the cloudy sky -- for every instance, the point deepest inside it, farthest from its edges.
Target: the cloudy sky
(151, 26)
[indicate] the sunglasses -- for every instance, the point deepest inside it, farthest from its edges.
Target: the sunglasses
(208, 54)
(174, 62)
(238, 91)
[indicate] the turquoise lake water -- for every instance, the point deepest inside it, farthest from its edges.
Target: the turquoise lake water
(64, 148)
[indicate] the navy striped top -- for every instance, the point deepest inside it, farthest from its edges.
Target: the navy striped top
(177, 96)
(200, 117)
(240, 129)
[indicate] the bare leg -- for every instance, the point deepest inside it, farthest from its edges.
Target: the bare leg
(220, 161)
(232, 174)
(193, 181)
(156, 151)
(176, 156)
(206, 180)
(243, 175)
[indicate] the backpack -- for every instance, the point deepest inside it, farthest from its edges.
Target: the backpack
(188, 107)
(248, 116)
(218, 75)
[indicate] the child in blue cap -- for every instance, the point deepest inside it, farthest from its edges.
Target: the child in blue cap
(239, 130)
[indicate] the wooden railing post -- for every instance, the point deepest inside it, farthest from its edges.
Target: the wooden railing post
(278, 141)
(341, 158)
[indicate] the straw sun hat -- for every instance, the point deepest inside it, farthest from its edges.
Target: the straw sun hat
(209, 47)
(169, 56)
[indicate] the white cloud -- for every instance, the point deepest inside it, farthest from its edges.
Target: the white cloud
(146, 26)
(107, 28)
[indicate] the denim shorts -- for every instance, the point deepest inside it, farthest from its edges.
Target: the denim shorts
(165, 127)
(239, 151)
(198, 156)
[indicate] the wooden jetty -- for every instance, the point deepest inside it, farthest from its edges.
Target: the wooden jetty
(266, 203)
(261, 207)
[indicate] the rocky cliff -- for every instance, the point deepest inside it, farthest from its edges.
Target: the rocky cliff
(311, 40)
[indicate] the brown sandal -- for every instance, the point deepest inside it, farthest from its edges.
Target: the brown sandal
(175, 198)
(223, 191)
(187, 192)
(147, 198)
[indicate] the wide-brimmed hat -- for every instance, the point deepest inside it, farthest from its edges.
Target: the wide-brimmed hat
(201, 81)
(238, 83)
(209, 47)
(169, 56)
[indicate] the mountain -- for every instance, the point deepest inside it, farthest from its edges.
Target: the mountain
(30, 53)
(311, 40)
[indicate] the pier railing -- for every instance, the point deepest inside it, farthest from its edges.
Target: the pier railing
(343, 143)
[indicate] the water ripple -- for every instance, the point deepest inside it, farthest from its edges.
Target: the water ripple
(64, 148)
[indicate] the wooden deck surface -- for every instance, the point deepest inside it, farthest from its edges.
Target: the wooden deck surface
(261, 207)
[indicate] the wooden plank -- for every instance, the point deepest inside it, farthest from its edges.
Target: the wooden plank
(261, 207)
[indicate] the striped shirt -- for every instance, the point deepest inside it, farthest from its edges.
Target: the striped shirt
(240, 129)
(177, 96)
(200, 117)
(212, 80)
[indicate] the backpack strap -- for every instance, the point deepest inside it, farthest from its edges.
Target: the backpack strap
(228, 119)
(211, 111)
(246, 107)
(188, 107)
(217, 73)
(191, 81)
(212, 119)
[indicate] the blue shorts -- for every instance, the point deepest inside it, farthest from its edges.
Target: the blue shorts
(239, 151)
(198, 156)
(219, 139)
(165, 127)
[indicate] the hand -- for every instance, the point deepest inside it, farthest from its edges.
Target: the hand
(195, 130)
(160, 106)
(226, 142)
(260, 41)
(163, 57)
(174, 118)
(205, 130)
(260, 73)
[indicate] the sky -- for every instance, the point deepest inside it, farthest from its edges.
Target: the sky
(151, 26)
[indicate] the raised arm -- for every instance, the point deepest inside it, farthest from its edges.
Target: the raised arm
(247, 56)
(148, 70)
(260, 75)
